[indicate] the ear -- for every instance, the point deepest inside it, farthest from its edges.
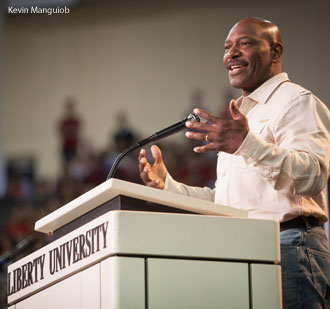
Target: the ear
(276, 51)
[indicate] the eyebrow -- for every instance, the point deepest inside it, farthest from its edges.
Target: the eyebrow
(241, 38)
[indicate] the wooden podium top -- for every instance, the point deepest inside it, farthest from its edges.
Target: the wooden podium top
(115, 187)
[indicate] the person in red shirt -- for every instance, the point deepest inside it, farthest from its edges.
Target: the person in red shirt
(69, 129)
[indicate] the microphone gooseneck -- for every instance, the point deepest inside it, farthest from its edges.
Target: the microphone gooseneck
(154, 137)
(21, 247)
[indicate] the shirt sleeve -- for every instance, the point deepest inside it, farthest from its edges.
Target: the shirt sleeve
(197, 192)
(298, 160)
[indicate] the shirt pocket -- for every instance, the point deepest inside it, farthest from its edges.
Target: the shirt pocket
(258, 127)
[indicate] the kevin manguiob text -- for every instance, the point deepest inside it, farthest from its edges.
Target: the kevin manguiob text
(38, 10)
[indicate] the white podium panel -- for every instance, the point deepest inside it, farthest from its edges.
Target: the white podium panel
(127, 259)
(188, 284)
(266, 286)
(123, 283)
(91, 287)
(117, 282)
(65, 294)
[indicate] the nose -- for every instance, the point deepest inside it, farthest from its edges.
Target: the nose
(233, 52)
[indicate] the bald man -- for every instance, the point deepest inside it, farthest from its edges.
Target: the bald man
(273, 158)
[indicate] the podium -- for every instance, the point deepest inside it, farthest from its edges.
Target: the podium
(123, 245)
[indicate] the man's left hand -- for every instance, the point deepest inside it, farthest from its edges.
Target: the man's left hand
(222, 135)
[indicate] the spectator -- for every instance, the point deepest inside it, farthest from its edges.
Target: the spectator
(69, 128)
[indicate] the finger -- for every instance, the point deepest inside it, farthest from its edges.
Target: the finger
(156, 154)
(234, 111)
(142, 163)
(154, 183)
(200, 126)
(197, 136)
(142, 154)
(206, 148)
(145, 174)
(206, 115)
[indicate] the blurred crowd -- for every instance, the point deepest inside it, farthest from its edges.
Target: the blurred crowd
(29, 198)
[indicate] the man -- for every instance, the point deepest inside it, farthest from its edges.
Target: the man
(69, 128)
(273, 158)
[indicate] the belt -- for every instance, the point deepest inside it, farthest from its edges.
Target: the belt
(299, 222)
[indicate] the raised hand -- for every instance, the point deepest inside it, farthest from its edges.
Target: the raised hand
(222, 135)
(153, 175)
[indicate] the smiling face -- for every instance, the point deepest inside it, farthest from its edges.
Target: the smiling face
(252, 55)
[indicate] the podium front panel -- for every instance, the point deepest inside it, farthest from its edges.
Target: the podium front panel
(90, 287)
(123, 283)
(65, 294)
(187, 284)
(126, 259)
(266, 286)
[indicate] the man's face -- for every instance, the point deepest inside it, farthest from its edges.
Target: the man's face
(247, 56)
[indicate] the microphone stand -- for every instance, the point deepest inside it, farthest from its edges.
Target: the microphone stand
(156, 136)
(21, 247)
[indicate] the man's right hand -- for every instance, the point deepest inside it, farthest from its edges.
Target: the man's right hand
(153, 175)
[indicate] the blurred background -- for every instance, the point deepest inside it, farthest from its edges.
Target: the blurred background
(77, 88)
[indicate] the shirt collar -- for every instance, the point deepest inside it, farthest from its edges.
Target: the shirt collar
(263, 92)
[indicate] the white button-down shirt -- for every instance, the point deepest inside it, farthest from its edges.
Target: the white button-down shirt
(281, 169)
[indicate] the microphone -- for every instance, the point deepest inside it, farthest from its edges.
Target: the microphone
(154, 137)
(169, 130)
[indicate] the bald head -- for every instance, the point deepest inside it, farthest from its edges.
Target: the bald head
(253, 52)
(268, 28)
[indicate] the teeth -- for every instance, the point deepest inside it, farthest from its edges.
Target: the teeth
(233, 67)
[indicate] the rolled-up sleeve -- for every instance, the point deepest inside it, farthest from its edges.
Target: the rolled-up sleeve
(197, 192)
(297, 162)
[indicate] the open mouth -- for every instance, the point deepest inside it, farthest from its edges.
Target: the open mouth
(236, 67)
